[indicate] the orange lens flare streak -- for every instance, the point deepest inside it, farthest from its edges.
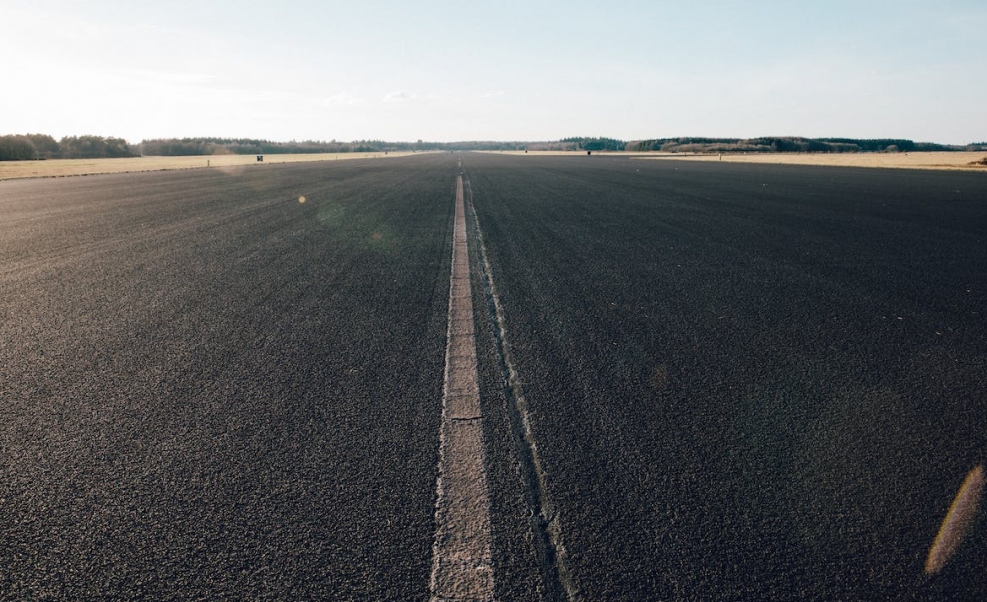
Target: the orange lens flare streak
(958, 521)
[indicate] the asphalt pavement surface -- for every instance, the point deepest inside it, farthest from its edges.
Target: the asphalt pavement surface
(744, 381)
(211, 390)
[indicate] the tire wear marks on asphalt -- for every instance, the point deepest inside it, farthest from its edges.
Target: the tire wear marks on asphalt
(550, 549)
(462, 566)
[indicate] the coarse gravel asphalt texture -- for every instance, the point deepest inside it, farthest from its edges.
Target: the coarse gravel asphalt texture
(747, 382)
(210, 390)
(744, 381)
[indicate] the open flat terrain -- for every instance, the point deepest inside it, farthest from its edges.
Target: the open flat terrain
(742, 381)
(54, 168)
(10, 170)
(923, 160)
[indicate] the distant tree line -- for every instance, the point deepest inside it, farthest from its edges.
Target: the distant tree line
(41, 146)
(786, 144)
(597, 144)
(29, 147)
(247, 146)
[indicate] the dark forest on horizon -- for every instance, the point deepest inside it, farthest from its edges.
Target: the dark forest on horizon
(27, 147)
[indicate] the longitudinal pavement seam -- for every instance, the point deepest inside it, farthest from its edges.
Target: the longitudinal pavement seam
(557, 581)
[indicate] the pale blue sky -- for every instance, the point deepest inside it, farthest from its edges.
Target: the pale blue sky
(530, 70)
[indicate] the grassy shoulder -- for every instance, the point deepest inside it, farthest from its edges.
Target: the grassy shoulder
(920, 160)
(54, 168)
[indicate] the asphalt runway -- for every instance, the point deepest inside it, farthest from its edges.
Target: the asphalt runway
(212, 391)
(744, 381)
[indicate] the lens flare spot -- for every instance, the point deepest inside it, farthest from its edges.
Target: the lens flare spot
(958, 521)
(301, 200)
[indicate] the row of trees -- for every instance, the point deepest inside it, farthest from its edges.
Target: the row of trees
(41, 146)
(249, 146)
(29, 147)
(597, 144)
(785, 144)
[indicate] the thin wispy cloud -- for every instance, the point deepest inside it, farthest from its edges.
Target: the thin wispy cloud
(399, 96)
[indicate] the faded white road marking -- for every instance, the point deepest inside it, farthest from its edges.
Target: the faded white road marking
(462, 566)
(958, 521)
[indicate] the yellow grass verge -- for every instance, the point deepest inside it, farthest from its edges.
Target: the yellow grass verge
(924, 160)
(76, 167)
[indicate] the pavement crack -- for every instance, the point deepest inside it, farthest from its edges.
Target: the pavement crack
(550, 551)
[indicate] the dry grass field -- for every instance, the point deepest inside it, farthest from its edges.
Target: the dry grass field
(930, 160)
(54, 168)
(76, 167)
(924, 160)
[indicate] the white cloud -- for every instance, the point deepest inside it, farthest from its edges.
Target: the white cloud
(399, 96)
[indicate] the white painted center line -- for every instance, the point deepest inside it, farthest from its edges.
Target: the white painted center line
(462, 567)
